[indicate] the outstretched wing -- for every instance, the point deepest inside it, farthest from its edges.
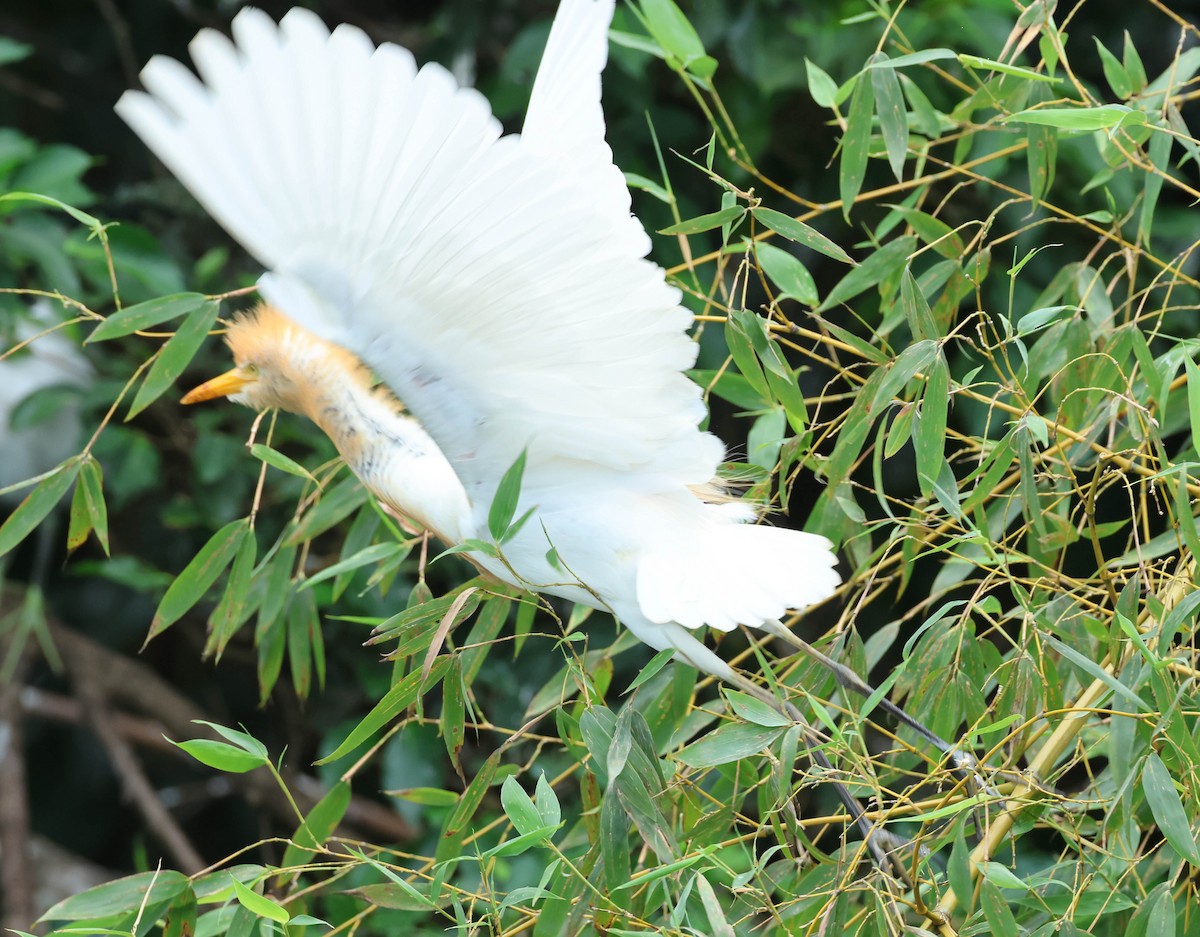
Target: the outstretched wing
(497, 284)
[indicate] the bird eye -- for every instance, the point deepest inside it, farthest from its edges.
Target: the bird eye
(250, 370)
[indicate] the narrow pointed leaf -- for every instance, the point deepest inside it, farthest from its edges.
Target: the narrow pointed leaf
(191, 585)
(801, 233)
(889, 105)
(856, 143)
(37, 504)
(504, 504)
(1167, 808)
(174, 356)
(147, 315)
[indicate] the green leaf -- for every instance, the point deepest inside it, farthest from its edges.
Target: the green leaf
(397, 699)
(880, 265)
(179, 920)
(1084, 119)
(729, 743)
(1040, 318)
(1160, 156)
(174, 356)
(1193, 396)
(926, 119)
(37, 504)
(912, 58)
(147, 315)
(1118, 78)
(634, 181)
(822, 88)
(547, 802)
(787, 273)
(397, 896)
(243, 740)
(455, 828)
(798, 231)
(335, 505)
(191, 585)
(123, 896)
(504, 503)
(278, 460)
(856, 144)
(889, 105)
(368, 556)
(519, 807)
(91, 479)
(81, 216)
(705, 222)
(974, 61)
(260, 905)
(671, 30)
(1132, 63)
(428, 796)
(933, 231)
(996, 910)
(755, 710)
(221, 755)
(916, 309)
(930, 437)
(453, 719)
(1165, 804)
(231, 610)
(1096, 671)
(1002, 876)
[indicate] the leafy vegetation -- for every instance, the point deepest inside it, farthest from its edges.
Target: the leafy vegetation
(975, 327)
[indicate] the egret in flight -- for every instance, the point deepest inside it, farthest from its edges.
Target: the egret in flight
(499, 286)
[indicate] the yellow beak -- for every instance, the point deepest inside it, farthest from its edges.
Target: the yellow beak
(223, 385)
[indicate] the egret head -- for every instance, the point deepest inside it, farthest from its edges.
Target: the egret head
(276, 363)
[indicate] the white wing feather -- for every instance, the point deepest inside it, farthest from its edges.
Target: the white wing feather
(498, 285)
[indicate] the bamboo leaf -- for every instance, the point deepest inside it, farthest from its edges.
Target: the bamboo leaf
(260, 905)
(930, 437)
(1114, 72)
(397, 699)
(37, 504)
(822, 88)
(889, 105)
(1167, 807)
(729, 743)
(707, 222)
(120, 896)
(221, 755)
(198, 576)
(504, 502)
(174, 356)
(787, 273)
(801, 233)
(871, 272)
(147, 315)
(856, 144)
(1080, 119)
(1160, 155)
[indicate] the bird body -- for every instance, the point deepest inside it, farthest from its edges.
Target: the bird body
(498, 286)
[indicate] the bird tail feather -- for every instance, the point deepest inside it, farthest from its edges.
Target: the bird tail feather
(723, 574)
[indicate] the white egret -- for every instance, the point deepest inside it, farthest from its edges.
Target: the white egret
(499, 287)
